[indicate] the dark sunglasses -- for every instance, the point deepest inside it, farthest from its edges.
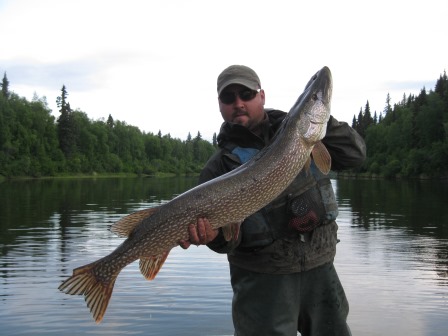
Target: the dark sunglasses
(229, 97)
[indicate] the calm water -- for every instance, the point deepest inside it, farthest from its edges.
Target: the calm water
(392, 260)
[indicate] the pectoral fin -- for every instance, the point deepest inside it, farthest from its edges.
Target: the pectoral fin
(150, 266)
(127, 224)
(231, 231)
(321, 157)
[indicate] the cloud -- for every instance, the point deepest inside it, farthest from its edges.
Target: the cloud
(142, 61)
(409, 86)
(78, 74)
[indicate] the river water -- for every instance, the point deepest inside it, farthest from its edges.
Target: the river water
(392, 260)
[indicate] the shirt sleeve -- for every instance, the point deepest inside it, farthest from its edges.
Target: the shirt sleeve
(346, 147)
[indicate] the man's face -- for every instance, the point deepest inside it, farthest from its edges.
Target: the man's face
(242, 106)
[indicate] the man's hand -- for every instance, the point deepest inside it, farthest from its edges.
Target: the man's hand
(200, 234)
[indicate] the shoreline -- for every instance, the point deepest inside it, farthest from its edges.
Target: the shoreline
(92, 176)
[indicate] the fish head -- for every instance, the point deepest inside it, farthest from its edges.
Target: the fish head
(312, 109)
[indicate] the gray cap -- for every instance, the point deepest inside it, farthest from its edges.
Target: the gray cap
(238, 74)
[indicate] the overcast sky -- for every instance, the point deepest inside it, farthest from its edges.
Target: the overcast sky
(154, 64)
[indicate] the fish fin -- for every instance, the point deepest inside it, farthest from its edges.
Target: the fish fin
(150, 266)
(231, 231)
(321, 157)
(97, 291)
(127, 224)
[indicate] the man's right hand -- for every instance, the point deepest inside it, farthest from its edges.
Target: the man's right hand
(200, 234)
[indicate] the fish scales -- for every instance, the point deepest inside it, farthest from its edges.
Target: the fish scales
(224, 201)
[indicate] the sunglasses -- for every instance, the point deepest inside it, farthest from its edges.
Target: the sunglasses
(229, 97)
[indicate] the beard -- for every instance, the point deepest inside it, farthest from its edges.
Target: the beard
(239, 112)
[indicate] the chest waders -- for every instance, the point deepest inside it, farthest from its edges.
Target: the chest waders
(308, 202)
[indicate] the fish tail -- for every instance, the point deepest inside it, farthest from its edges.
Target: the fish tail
(97, 291)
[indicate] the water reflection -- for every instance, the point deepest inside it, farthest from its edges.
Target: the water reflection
(415, 205)
(392, 260)
(70, 229)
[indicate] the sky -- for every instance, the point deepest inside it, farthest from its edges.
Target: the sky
(154, 64)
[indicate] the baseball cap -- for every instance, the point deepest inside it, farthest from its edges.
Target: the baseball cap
(238, 74)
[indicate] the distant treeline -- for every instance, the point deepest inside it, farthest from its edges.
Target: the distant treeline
(33, 143)
(409, 139)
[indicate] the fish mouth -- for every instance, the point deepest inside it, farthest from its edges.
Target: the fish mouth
(319, 87)
(319, 91)
(324, 82)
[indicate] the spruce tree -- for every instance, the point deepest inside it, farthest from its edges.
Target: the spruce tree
(66, 133)
(5, 86)
(387, 108)
(110, 122)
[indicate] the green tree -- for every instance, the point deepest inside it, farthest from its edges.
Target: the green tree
(441, 87)
(110, 121)
(412, 138)
(359, 124)
(354, 122)
(387, 108)
(5, 86)
(33, 144)
(367, 118)
(65, 124)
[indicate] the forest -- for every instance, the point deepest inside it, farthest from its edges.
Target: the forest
(410, 139)
(34, 143)
(407, 140)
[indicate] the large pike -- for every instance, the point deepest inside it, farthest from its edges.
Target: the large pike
(224, 201)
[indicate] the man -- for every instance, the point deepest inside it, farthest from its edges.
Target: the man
(281, 265)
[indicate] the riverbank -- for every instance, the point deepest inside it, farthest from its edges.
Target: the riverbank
(333, 175)
(67, 176)
(92, 175)
(371, 176)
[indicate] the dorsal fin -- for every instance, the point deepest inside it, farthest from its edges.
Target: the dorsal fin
(150, 266)
(127, 224)
(321, 157)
